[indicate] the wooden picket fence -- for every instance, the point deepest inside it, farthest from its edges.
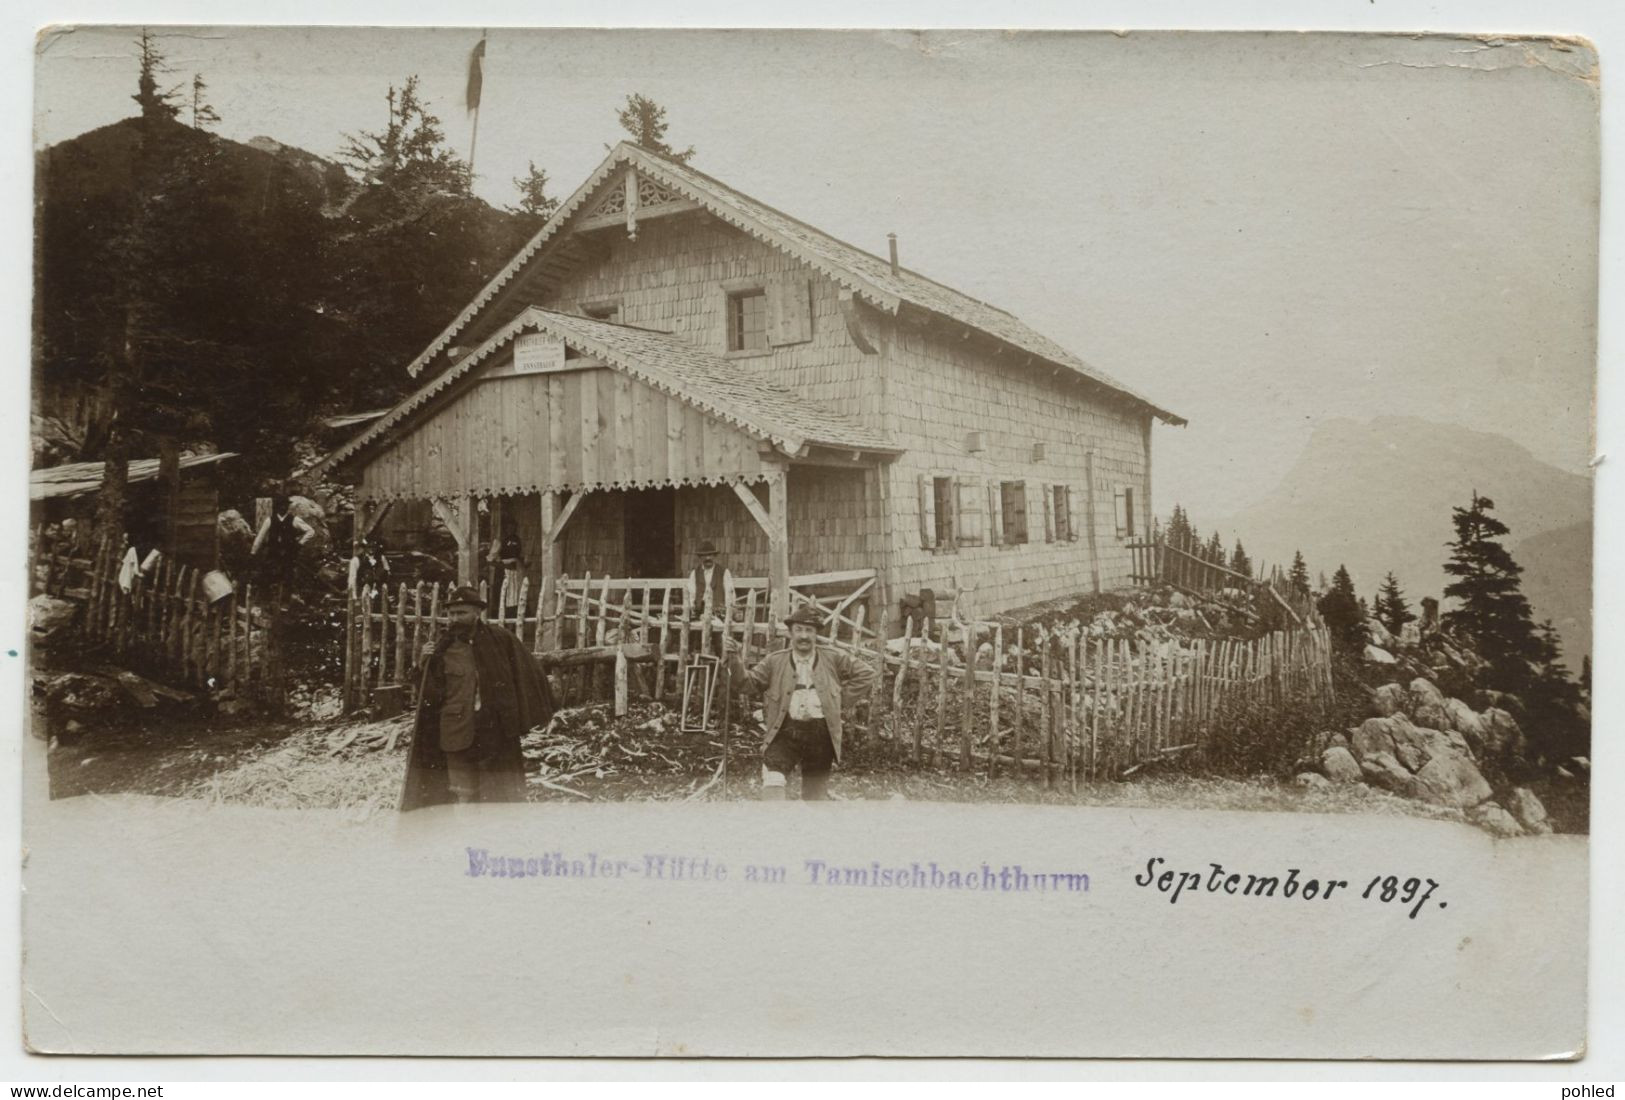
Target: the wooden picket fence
(1062, 704)
(649, 619)
(1185, 566)
(164, 626)
(1054, 702)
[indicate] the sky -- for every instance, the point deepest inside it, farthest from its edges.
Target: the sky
(1257, 231)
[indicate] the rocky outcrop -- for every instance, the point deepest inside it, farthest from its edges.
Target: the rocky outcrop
(1491, 816)
(1529, 811)
(1339, 766)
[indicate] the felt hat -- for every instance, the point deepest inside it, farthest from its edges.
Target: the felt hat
(706, 547)
(465, 594)
(804, 614)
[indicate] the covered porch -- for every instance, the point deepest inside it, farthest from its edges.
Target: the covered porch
(577, 465)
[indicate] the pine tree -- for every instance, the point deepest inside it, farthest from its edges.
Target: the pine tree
(1214, 551)
(533, 197)
(203, 113)
(1491, 610)
(1341, 609)
(645, 121)
(153, 103)
(1300, 575)
(1240, 562)
(409, 155)
(1392, 610)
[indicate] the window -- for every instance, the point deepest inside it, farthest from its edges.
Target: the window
(1063, 515)
(747, 320)
(1125, 512)
(602, 311)
(1013, 511)
(971, 515)
(942, 490)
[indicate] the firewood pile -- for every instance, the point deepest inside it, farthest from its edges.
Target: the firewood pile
(588, 742)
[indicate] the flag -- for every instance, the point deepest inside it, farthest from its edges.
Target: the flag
(476, 75)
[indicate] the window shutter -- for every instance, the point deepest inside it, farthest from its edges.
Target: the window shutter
(1049, 511)
(995, 514)
(789, 303)
(1024, 512)
(1120, 505)
(928, 513)
(972, 498)
(1071, 514)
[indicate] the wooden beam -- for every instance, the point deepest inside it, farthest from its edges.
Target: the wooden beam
(778, 549)
(1089, 507)
(547, 613)
(564, 515)
(376, 516)
(754, 506)
(459, 518)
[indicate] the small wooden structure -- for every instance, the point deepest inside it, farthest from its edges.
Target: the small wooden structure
(185, 527)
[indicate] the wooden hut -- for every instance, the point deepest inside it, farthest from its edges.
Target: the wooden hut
(669, 361)
(185, 527)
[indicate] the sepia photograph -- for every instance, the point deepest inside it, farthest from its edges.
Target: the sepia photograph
(440, 433)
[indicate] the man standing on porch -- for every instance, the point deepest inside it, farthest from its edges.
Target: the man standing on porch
(804, 690)
(710, 586)
(481, 691)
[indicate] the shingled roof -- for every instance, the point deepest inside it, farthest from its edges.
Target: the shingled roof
(866, 275)
(717, 386)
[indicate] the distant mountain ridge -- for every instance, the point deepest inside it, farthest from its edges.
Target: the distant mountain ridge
(1377, 496)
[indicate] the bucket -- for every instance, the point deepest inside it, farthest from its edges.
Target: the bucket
(217, 586)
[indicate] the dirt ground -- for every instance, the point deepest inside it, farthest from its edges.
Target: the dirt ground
(588, 756)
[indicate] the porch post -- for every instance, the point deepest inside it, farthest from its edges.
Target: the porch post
(462, 521)
(547, 606)
(778, 544)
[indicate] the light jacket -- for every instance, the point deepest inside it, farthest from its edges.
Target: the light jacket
(837, 677)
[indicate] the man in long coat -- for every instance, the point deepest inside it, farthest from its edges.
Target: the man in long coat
(481, 692)
(805, 691)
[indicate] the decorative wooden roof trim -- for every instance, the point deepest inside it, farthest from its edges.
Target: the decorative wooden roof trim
(376, 496)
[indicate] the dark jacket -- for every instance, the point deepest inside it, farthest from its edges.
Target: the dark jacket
(514, 698)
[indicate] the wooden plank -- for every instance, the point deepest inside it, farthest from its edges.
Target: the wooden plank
(942, 702)
(1046, 711)
(682, 643)
(591, 427)
(665, 627)
(993, 701)
(902, 676)
(875, 704)
(367, 680)
(1097, 700)
(1018, 705)
(779, 544)
(402, 665)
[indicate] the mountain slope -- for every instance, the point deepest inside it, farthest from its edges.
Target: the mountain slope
(1377, 496)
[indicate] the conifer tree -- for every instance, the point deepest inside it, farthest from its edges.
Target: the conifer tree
(1240, 562)
(409, 155)
(645, 121)
(1341, 609)
(1491, 610)
(1392, 610)
(1300, 574)
(533, 197)
(203, 113)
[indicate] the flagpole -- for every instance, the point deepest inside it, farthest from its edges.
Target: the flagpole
(477, 90)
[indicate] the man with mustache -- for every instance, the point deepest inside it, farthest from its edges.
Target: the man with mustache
(481, 692)
(805, 690)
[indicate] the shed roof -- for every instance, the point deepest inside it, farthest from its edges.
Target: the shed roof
(77, 479)
(726, 389)
(868, 276)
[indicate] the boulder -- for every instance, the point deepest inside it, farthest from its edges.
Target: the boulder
(1378, 635)
(1340, 766)
(1431, 715)
(1491, 817)
(1376, 655)
(1466, 722)
(1410, 634)
(1502, 736)
(1452, 779)
(1424, 690)
(1311, 780)
(1529, 811)
(1382, 770)
(1390, 699)
(50, 619)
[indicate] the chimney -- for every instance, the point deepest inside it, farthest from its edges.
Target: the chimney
(891, 239)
